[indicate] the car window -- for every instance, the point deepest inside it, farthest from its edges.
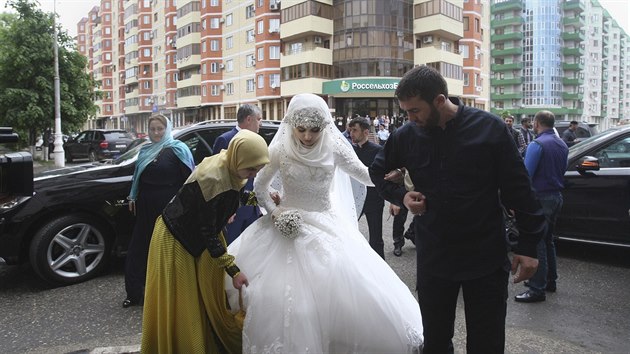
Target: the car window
(615, 154)
(118, 135)
(582, 133)
(81, 137)
(267, 133)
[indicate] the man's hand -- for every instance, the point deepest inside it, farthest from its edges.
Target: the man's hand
(396, 176)
(415, 203)
(231, 219)
(523, 267)
(132, 207)
(239, 280)
(394, 209)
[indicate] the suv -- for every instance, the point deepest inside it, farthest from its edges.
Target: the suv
(97, 144)
(79, 215)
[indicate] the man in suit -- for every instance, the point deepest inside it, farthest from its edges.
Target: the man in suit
(374, 203)
(248, 117)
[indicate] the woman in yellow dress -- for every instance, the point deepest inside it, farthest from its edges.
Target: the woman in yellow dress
(185, 307)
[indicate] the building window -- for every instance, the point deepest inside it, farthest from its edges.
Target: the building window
(466, 79)
(229, 42)
(214, 22)
(274, 80)
(250, 85)
(274, 52)
(250, 36)
(214, 45)
(229, 65)
(260, 25)
(229, 89)
(214, 90)
(214, 67)
(261, 53)
(250, 61)
(274, 25)
(229, 20)
(261, 81)
(249, 11)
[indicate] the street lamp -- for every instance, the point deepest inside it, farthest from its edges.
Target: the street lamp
(58, 152)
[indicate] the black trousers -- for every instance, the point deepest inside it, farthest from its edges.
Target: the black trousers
(374, 216)
(398, 227)
(485, 301)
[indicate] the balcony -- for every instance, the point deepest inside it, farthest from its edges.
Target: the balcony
(573, 66)
(506, 67)
(189, 62)
(573, 21)
(307, 25)
(440, 25)
(571, 96)
(506, 81)
(573, 36)
(576, 5)
(572, 82)
(578, 51)
(506, 96)
(435, 54)
(514, 36)
(513, 5)
(512, 21)
(506, 52)
(312, 53)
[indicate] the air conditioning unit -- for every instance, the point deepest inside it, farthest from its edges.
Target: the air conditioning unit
(221, 20)
(128, 61)
(222, 87)
(253, 63)
(274, 7)
(221, 66)
(478, 88)
(317, 40)
(151, 35)
(427, 39)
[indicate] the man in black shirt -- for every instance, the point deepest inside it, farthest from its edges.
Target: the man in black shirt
(463, 164)
(374, 203)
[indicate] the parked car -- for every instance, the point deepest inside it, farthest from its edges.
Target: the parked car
(585, 130)
(97, 144)
(78, 216)
(597, 190)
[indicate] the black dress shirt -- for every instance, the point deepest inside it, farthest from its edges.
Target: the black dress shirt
(465, 171)
(366, 153)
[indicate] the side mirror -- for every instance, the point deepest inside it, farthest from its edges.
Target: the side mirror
(587, 163)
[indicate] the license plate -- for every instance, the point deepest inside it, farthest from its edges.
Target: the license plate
(120, 146)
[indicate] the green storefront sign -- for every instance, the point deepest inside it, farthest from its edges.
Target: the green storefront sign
(360, 86)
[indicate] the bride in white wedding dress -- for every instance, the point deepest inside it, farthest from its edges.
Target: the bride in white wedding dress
(318, 288)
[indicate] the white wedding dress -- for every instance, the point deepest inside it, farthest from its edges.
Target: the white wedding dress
(326, 291)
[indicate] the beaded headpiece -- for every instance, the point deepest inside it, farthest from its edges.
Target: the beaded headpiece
(307, 117)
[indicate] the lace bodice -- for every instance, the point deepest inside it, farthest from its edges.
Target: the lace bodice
(304, 187)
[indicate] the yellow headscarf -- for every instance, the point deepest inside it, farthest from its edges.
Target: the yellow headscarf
(218, 173)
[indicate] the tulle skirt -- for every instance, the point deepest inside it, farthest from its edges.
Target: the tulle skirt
(326, 291)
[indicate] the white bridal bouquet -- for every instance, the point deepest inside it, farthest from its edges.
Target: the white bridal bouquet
(289, 223)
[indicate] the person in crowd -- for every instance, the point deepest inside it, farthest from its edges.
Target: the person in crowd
(374, 203)
(568, 136)
(516, 134)
(346, 133)
(161, 169)
(463, 164)
(185, 309)
(248, 116)
(383, 134)
(546, 163)
(527, 131)
(316, 286)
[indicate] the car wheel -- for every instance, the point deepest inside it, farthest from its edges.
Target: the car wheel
(92, 155)
(70, 249)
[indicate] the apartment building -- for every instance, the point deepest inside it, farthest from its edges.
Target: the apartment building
(567, 56)
(196, 60)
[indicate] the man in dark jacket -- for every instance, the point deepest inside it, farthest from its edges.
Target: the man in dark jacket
(464, 165)
(374, 203)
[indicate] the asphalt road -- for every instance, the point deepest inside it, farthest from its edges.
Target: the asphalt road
(589, 313)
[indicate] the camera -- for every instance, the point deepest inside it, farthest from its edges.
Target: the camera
(16, 168)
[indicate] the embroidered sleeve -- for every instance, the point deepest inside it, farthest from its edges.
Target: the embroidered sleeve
(349, 162)
(263, 180)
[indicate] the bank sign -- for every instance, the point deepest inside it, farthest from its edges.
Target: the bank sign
(360, 86)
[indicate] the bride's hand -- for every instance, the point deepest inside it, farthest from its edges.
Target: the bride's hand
(239, 280)
(275, 196)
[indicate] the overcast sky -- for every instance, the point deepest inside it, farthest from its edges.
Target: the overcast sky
(71, 11)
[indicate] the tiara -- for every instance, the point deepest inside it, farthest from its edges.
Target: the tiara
(307, 117)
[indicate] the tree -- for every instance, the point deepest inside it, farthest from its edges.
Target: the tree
(27, 74)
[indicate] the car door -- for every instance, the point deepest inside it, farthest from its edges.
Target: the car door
(596, 203)
(78, 148)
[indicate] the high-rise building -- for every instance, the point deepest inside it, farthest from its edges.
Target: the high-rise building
(194, 60)
(566, 56)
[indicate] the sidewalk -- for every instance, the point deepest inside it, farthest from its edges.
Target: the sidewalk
(128, 349)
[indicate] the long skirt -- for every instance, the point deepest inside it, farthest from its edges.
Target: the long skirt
(185, 307)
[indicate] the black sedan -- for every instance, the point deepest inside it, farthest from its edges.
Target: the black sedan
(597, 190)
(78, 216)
